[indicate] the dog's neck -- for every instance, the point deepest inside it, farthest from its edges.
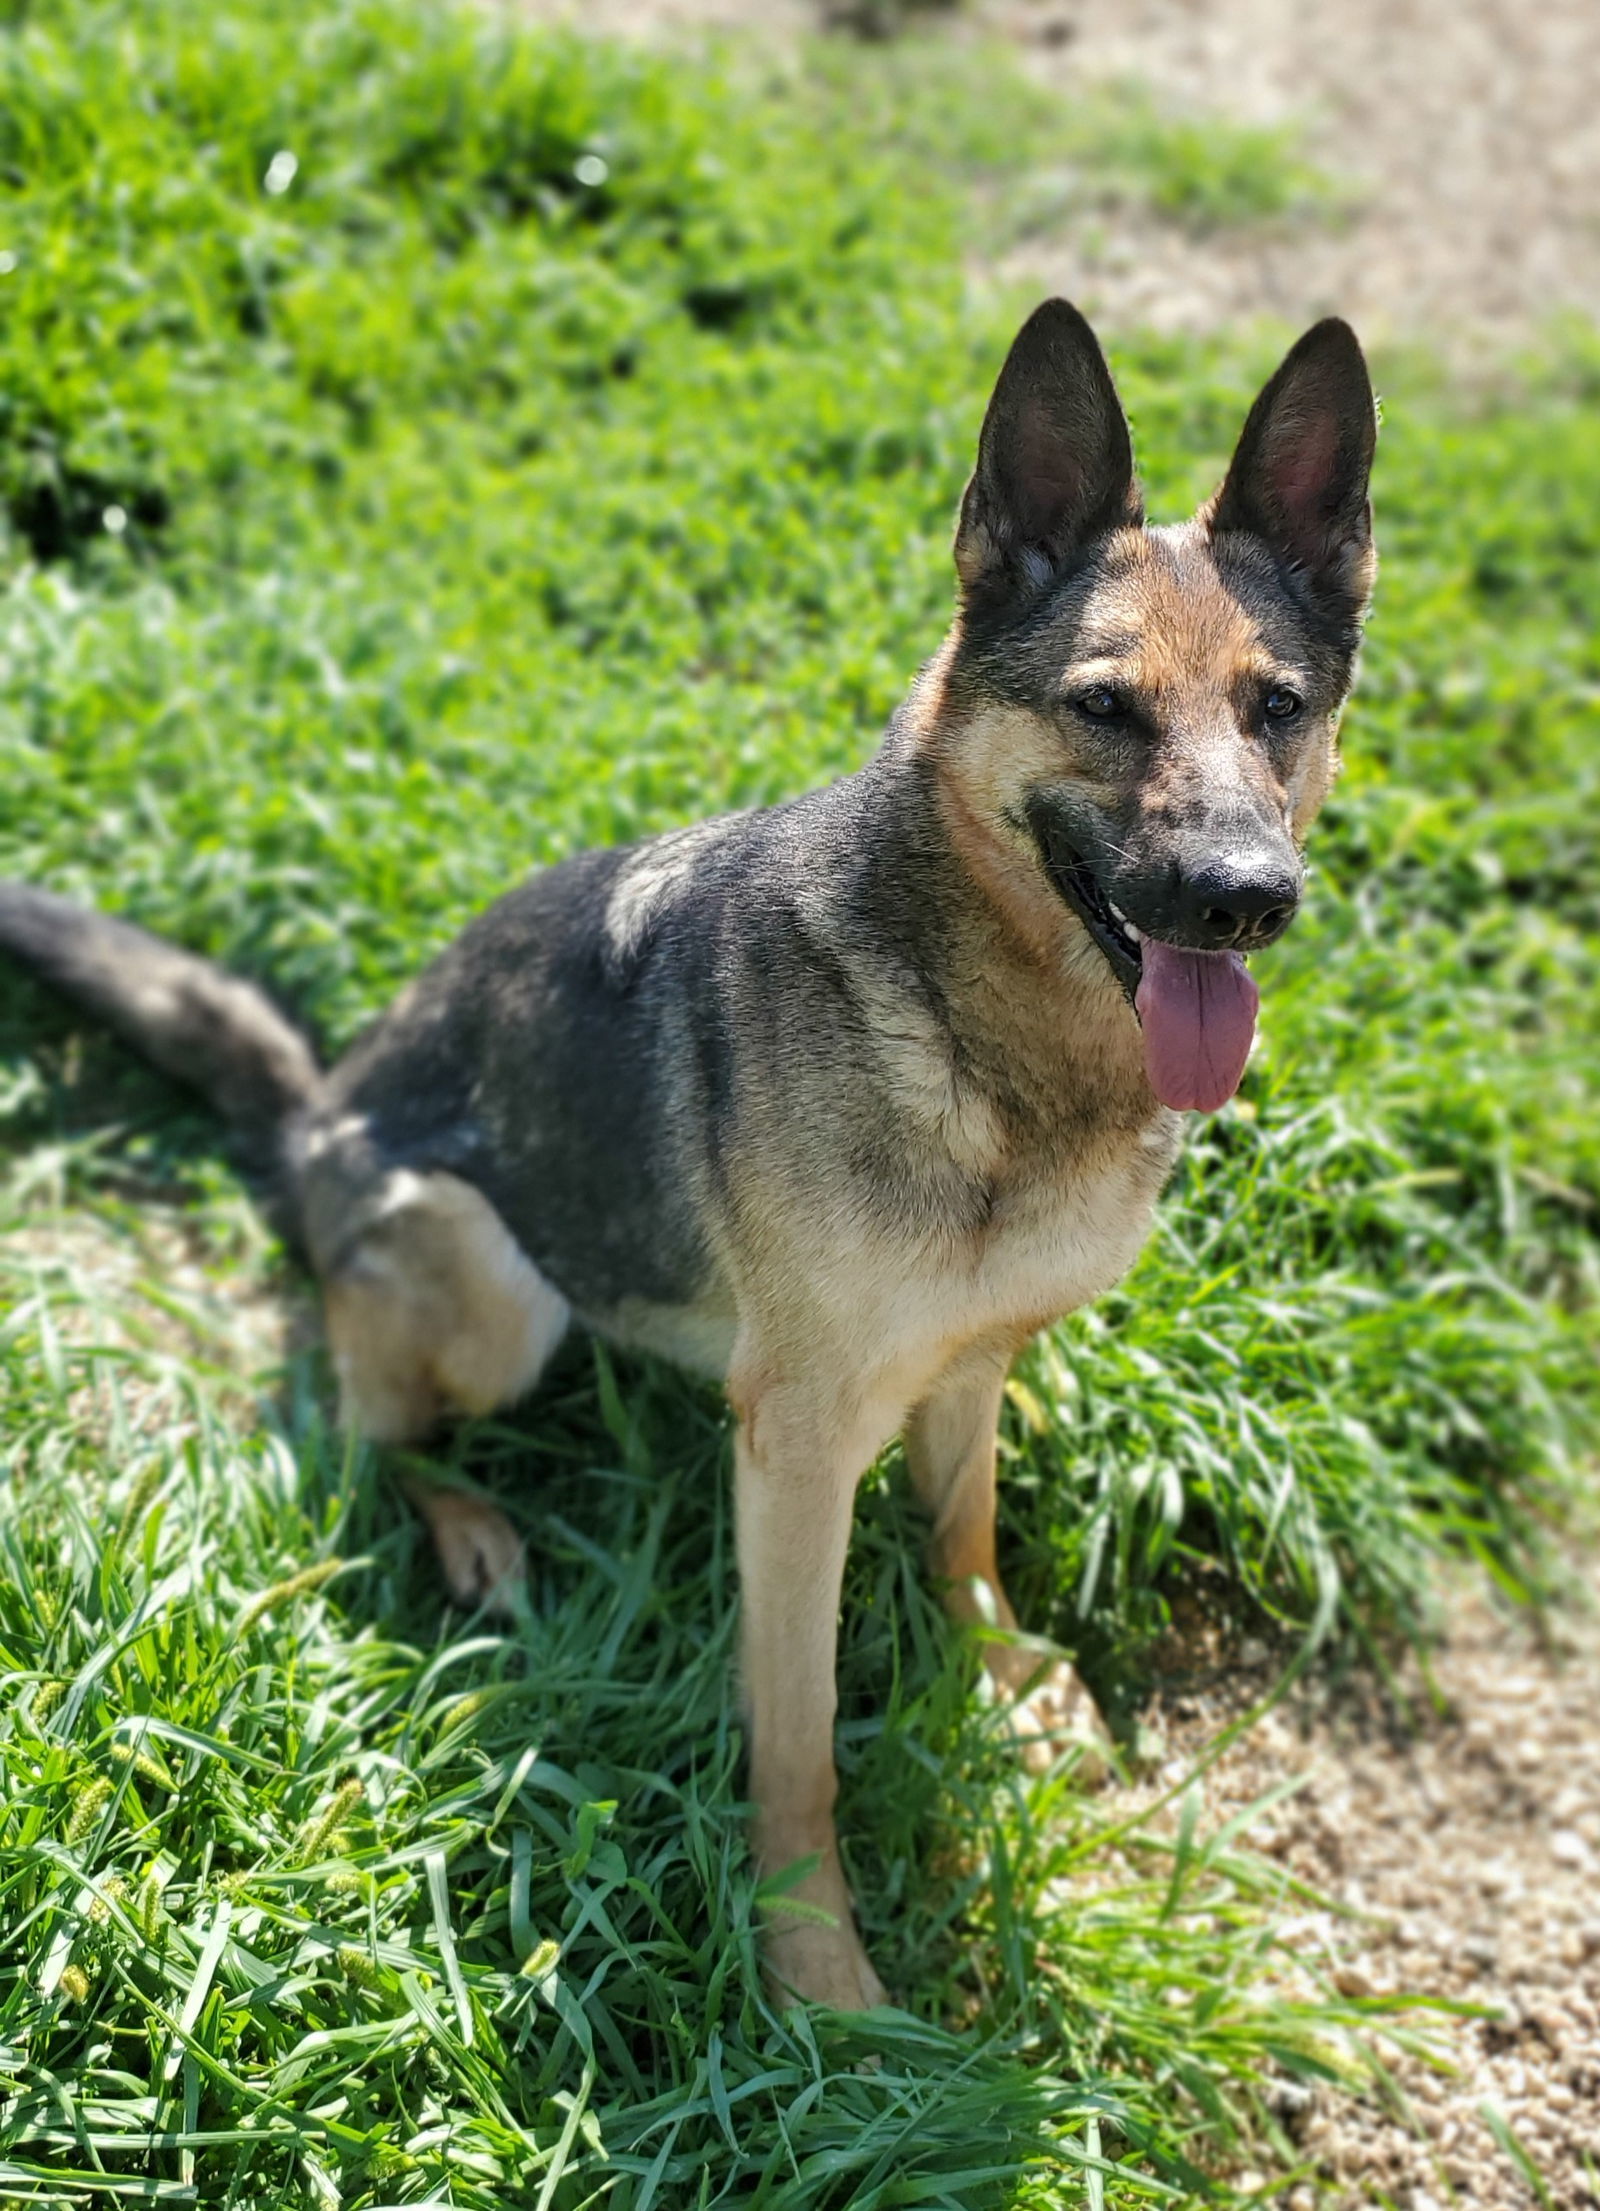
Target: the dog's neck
(1025, 991)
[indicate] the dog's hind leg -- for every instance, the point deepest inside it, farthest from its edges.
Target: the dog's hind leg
(801, 1450)
(434, 1308)
(950, 1451)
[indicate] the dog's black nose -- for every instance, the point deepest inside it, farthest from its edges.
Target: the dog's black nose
(1237, 899)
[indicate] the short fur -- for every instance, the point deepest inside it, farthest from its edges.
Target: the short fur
(839, 1100)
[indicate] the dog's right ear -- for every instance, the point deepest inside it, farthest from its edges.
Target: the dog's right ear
(1055, 462)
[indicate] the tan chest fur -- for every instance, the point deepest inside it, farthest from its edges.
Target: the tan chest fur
(814, 1269)
(1072, 1169)
(1049, 1247)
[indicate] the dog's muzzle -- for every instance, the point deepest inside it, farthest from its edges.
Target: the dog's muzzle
(1236, 892)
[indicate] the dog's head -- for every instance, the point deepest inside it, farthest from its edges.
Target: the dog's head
(1144, 719)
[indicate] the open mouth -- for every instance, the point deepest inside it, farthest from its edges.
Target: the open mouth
(1075, 881)
(1197, 1010)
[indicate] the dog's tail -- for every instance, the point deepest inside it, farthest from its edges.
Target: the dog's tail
(185, 1014)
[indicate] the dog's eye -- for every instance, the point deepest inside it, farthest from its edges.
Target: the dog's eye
(1282, 704)
(1100, 703)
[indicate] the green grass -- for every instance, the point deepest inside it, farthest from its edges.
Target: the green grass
(475, 506)
(1121, 153)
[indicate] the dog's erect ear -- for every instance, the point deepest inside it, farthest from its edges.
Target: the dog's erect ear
(1055, 463)
(1299, 476)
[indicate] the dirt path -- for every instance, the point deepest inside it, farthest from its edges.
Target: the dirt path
(1467, 131)
(1465, 1855)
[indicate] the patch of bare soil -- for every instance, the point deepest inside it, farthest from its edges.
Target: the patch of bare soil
(1461, 1852)
(1469, 131)
(1466, 131)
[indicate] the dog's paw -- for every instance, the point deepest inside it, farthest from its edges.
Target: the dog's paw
(480, 1552)
(1056, 1713)
(820, 1963)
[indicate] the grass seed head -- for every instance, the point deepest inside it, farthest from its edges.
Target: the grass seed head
(323, 1832)
(87, 1806)
(285, 1592)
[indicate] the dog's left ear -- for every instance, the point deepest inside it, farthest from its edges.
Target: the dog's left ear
(1299, 476)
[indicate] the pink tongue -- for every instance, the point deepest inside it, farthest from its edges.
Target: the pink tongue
(1199, 1015)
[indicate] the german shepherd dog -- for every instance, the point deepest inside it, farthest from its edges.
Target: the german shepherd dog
(841, 1100)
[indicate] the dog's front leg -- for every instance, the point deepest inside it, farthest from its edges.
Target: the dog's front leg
(950, 1450)
(797, 1466)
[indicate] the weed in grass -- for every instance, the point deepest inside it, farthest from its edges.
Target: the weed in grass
(1119, 153)
(474, 509)
(1207, 172)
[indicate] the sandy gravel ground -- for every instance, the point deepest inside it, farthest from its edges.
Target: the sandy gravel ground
(1460, 1856)
(1467, 132)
